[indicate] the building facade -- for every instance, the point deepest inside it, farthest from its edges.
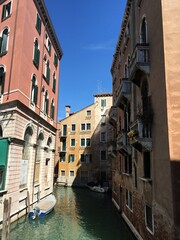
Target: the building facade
(29, 79)
(82, 145)
(146, 116)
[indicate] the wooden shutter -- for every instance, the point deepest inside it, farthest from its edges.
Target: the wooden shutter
(35, 94)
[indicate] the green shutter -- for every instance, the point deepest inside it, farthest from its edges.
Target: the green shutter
(35, 94)
(4, 12)
(38, 24)
(54, 84)
(1, 44)
(47, 106)
(48, 74)
(4, 146)
(2, 81)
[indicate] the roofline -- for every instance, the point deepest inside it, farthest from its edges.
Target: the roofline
(49, 26)
(122, 29)
(103, 95)
(75, 113)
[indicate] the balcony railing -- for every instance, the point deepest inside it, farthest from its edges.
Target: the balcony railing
(113, 115)
(124, 92)
(140, 136)
(112, 150)
(62, 134)
(139, 61)
(122, 143)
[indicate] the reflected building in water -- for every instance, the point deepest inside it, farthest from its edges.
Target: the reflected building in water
(82, 144)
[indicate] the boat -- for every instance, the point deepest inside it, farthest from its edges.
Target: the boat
(98, 189)
(43, 207)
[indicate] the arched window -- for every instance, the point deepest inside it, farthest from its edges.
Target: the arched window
(54, 83)
(46, 103)
(36, 53)
(47, 72)
(34, 90)
(52, 110)
(4, 41)
(38, 156)
(26, 153)
(2, 80)
(143, 35)
(126, 71)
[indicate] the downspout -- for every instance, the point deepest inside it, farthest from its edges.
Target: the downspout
(12, 57)
(38, 116)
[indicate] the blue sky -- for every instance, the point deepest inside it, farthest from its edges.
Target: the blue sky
(88, 31)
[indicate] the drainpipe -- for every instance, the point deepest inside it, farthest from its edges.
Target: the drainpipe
(12, 56)
(38, 116)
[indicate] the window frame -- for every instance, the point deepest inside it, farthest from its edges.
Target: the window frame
(4, 11)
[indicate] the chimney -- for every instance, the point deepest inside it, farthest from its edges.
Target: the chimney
(68, 108)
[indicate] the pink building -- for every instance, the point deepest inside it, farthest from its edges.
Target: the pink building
(29, 79)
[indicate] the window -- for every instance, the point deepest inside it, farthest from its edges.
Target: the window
(103, 136)
(143, 36)
(129, 199)
(85, 142)
(62, 157)
(39, 156)
(147, 164)
(64, 130)
(38, 23)
(126, 71)
(128, 164)
(86, 158)
(71, 157)
(82, 142)
(48, 44)
(36, 54)
(88, 112)
(71, 173)
(46, 103)
(63, 173)
(4, 41)
(64, 145)
(26, 153)
(72, 142)
(86, 126)
(34, 91)
(2, 80)
(88, 142)
(54, 83)
(55, 60)
(83, 127)
(103, 102)
(52, 110)
(103, 155)
(73, 127)
(6, 11)
(47, 72)
(103, 119)
(149, 221)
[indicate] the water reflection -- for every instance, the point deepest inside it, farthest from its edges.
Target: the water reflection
(79, 215)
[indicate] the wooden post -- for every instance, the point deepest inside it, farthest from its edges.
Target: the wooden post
(9, 219)
(5, 212)
(27, 203)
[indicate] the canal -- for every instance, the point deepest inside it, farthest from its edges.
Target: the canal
(79, 215)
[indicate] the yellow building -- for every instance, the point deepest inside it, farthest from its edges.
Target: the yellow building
(82, 144)
(146, 150)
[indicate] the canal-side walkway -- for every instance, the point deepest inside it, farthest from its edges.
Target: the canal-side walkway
(79, 215)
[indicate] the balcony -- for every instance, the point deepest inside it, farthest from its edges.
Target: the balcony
(123, 93)
(62, 135)
(113, 116)
(140, 136)
(122, 144)
(112, 149)
(140, 63)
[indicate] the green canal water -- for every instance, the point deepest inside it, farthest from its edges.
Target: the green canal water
(79, 215)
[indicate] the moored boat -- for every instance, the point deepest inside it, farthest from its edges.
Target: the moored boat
(43, 207)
